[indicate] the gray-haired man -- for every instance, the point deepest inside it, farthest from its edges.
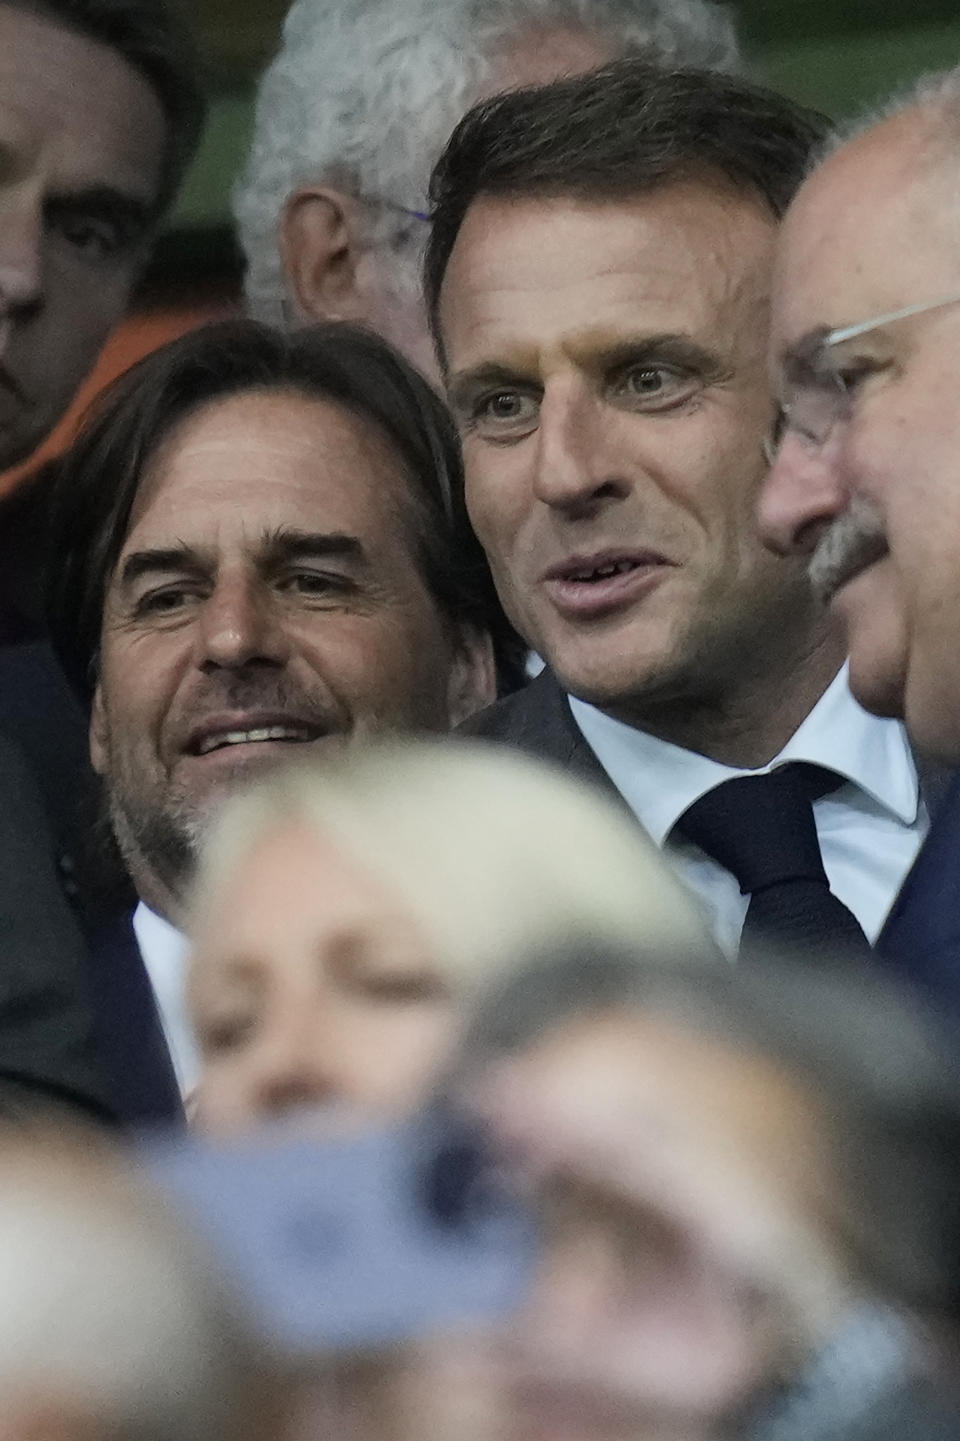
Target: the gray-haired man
(356, 108)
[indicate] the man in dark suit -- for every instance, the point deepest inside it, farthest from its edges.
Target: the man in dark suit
(598, 278)
(100, 112)
(48, 1053)
(866, 342)
(262, 553)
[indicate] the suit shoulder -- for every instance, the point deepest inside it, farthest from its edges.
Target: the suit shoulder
(504, 720)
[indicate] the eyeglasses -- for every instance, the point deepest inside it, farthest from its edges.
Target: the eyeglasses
(394, 205)
(818, 393)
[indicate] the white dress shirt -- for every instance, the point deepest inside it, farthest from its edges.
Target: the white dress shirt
(164, 950)
(870, 829)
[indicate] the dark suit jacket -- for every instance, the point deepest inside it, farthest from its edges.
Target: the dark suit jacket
(140, 1077)
(40, 712)
(84, 905)
(538, 720)
(922, 932)
(48, 1046)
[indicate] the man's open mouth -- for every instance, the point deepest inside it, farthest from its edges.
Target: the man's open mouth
(607, 571)
(603, 566)
(208, 742)
(591, 587)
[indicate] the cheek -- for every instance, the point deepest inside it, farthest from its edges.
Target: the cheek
(222, 1098)
(404, 1047)
(932, 684)
(498, 490)
(874, 613)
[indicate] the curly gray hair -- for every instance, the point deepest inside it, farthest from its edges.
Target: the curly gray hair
(363, 94)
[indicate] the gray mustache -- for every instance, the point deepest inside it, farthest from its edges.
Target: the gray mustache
(855, 540)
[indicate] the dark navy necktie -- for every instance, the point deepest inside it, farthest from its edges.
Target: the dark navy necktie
(761, 829)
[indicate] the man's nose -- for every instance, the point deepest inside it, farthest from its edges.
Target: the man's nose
(801, 496)
(240, 625)
(575, 464)
(21, 248)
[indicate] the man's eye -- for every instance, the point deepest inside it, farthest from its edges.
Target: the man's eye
(313, 582)
(656, 384)
(503, 412)
(851, 375)
(167, 601)
(90, 237)
(647, 381)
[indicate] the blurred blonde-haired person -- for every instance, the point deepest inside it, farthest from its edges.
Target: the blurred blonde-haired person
(343, 918)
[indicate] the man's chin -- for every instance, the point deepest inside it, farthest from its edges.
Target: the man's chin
(878, 684)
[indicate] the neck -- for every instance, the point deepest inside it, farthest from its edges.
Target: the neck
(158, 861)
(158, 896)
(748, 725)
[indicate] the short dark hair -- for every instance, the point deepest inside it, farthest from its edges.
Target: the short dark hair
(615, 133)
(149, 36)
(96, 488)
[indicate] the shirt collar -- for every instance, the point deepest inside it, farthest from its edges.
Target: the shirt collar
(871, 753)
(157, 938)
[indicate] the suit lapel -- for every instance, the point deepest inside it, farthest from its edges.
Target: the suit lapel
(132, 1045)
(545, 727)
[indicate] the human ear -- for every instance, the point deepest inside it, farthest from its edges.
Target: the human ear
(320, 243)
(97, 734)
(473, 675)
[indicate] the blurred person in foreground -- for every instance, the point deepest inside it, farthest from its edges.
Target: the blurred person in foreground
(263, 553)
(113, 1326)
(343, 918)
(356, 107)
(864, 351)
(747, 1185)
(598, 279)
(100, 114)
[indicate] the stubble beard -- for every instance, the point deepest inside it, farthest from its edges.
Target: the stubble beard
(160, 847)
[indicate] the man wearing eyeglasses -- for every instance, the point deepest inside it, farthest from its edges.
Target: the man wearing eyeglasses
(598, 280)
(351, 114)
(865, 354)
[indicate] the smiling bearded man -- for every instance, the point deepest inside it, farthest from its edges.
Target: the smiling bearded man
(264, 553)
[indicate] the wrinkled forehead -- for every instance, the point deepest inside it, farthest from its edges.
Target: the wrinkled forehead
(875, 227)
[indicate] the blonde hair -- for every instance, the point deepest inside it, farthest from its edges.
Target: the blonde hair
(493, 853)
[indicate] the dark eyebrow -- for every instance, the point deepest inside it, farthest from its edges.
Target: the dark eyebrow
(679, 349)
(130, 213)
(286, 544)
(277, 547)
(149, 562)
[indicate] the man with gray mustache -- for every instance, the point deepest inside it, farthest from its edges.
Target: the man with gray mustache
(865, 349)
